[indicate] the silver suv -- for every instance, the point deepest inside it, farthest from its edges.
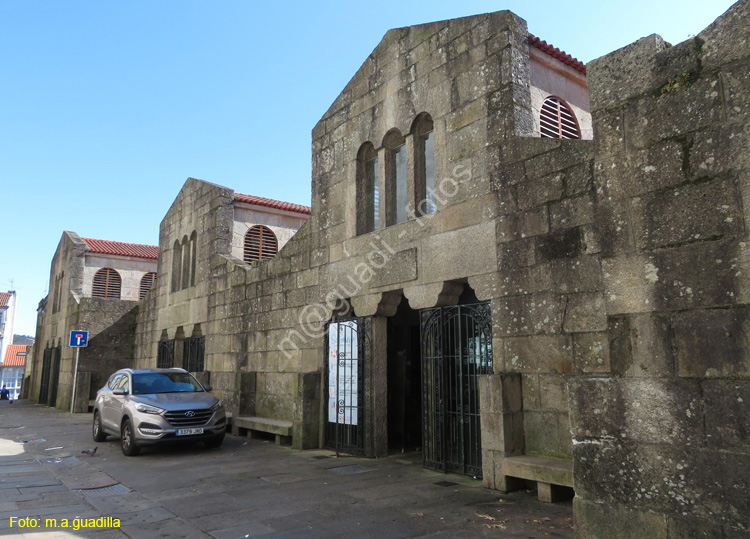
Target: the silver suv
(150, 406)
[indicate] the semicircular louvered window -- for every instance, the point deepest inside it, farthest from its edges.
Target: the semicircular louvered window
(147, 281)
(107, 284)
(260, 244)
(557, 120)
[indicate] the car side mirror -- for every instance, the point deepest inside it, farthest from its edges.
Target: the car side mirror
(207, 387)
(120, 391)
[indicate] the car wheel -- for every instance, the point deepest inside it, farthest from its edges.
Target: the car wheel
(96, 430)
(216, 441)
(127, 440)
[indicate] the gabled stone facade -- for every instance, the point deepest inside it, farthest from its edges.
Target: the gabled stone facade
(70, 306)
(215, 220)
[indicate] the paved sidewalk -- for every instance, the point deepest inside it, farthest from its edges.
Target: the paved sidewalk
(247, 488)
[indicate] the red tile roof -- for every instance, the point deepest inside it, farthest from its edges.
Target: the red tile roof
(12, 357)
(271, 203)
(5, 298)
(107, 247)
(563, 56)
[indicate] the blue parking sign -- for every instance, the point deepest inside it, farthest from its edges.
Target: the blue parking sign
(79, 339)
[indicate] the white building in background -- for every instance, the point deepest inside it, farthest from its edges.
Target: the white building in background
(7, 318)
(13, 368)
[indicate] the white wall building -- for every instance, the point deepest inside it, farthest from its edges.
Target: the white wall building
(13, 368)
(7, 318)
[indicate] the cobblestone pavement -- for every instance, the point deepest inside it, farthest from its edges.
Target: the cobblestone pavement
(246, 488)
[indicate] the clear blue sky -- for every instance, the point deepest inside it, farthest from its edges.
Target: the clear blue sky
(107, 107)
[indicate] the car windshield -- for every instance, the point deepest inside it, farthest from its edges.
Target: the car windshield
(165, 382)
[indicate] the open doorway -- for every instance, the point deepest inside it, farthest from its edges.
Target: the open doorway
(404, 381)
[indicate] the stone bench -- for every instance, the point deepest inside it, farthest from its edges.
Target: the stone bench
(549, 473)
(246, 425)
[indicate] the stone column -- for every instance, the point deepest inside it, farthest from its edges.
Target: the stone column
(501, 414)
(306, 420)
(376, 444)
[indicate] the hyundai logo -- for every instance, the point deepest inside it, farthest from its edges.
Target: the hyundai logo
(189, 413)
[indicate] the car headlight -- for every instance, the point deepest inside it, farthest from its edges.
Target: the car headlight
(216, 406)
(148, 409)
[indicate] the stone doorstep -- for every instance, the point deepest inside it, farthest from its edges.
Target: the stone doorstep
(246, 425)
(549, 473)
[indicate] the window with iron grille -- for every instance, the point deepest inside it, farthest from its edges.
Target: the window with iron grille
(260, 244)
(147, 281)
(556, 120)
(107, 284)
(193, 357)
(165, 355)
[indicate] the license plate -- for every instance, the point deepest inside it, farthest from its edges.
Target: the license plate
(188, 432)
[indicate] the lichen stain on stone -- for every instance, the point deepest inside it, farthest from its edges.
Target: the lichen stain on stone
(651, 272)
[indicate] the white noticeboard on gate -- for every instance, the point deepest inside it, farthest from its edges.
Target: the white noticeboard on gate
(342, 372)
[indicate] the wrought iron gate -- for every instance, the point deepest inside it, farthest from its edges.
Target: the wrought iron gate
(348, 349)
(55, 375)
(456, 349)
(193, 356)
(46, 368)
(165, 355)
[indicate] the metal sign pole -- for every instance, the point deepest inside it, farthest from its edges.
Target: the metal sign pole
(75, 379)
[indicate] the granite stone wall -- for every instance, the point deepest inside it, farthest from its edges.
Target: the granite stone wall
(660, 437)
(65, 285)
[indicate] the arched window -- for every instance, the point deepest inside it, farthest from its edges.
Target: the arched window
(165, 352)
(57, 298)
(185, 263)
(107, 284)
(424, 164)
(193, 256)
(368, 190)
(184, 256)
(147, 281)
(260, 244)
(176, 266)
(556, 120)
(395, 180)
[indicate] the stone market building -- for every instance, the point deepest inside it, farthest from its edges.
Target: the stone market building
(178, 323)
(100, 285)
(95, 285)
(527, 268)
